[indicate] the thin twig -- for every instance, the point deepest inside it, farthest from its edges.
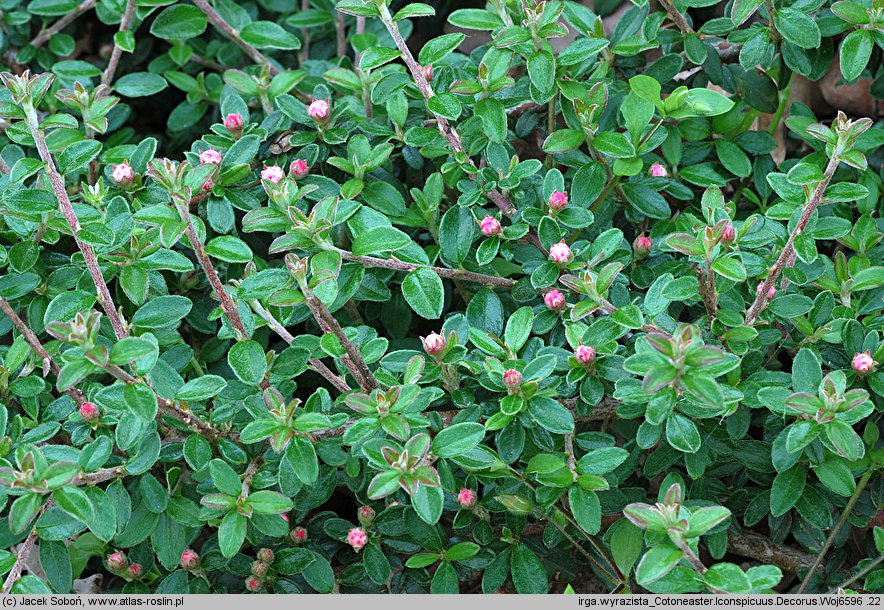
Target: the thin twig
(786, 255)
(32, 340)
(316, 364)
(14, 574)
(67, 210)
(43, 37)
(125, 23)
(455, 274)
(227, 304)
(845, 515)
(353, 358)
(680, 22)
(871, 566)
(218, 21)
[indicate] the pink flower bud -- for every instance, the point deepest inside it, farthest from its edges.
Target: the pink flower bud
(89, 411)
(318, 110)
(512, 378)
(489, 226)
(117, 562)
(208, 185)
(190, 560)
(234, 123)
(642, 247)
(584, 354)
(863, 363)
(210, 157)
(466, 498)
(272, 173)
(135, 570)
(253, 583)
(558, 200)
(658, 171)
(560, 253)
(728, 234)
(259, 568)
(434, 344)
(299, 535)
(428, 72)
(123, 174)
(299, 169)
(285, 517)
(555, 300)
(266, 555)
(365, 514)
(357, 538)
(771, 293)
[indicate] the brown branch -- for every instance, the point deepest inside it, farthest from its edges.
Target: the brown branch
(67, 210)
(755, 546)
(14, 574)
(227, 304)
(789, 249)
(32, 340)
(353, 358)
(316, 364)
(125, 23)
(680, 22)
(455, 274)
(218, 21)
(43, 37)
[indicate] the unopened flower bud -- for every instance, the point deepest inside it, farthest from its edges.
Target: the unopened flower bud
(642, 247)
(266, 555)
(253, 583)
(89, 411)
(560, 253)
(259, 568)
(123, 174)
(728, 234)
(210, 157)
(272, 173)
(658, 171)
(365, 514)
(234, 123)
(190, 560)
(466, 498)
(558, 200)
(135, 571)
(428, 72)
(584, 354)
(434, 344)
(117, 562)
(555, 300)
(489, 226)
(863, 363)
(208, 185)
(512, 378)
(318, 110)
(298, 535)
(299, 169)
(357, 538)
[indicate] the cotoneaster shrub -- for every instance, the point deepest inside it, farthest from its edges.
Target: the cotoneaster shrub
(318, 300)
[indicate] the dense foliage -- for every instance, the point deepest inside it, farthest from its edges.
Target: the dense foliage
(348, 298)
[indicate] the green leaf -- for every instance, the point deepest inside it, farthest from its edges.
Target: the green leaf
(301, 455)
(56, 563)
(786, 489)
(657, 563)
(74, 502)
(179, 22)
(424, 293)
(225, 478)
(77, 156)
(201, 388)
(542, 70)
(797, 28)
(229, 249)
(529, 575)
(378, 240)
(162, 312)
(248, 362)
(231, 533)
(563, 140)
(475, 19)
(437, 48)
(457, 439)
(269, 35)
(586, 508)
(456, 232)
(518, 328)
